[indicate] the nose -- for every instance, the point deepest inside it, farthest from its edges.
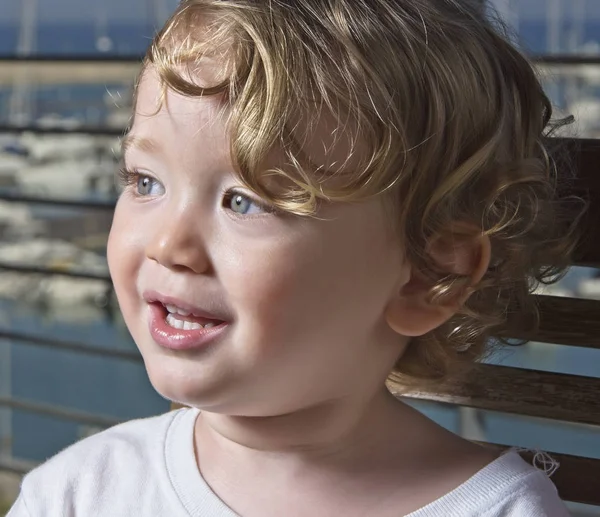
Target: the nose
(177, 244)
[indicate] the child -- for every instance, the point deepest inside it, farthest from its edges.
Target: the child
(336, 189)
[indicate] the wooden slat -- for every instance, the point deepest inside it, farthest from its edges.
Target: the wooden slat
(557, 396)
(567, 321)
(576, 479)
(585, 157)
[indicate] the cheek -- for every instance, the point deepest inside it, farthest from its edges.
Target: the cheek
(284, 293)
(115, 252)
(124, 254)
(265, 287)
(331, 286)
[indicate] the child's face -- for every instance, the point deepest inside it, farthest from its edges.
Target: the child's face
(303, 299)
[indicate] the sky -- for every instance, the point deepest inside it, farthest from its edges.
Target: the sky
(53, 11)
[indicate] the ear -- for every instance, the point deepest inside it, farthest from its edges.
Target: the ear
(465, 251)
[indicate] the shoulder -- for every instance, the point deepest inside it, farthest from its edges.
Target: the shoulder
(521, 490)
(122, 457)
(130, 441)
(531, 495)
(507, 487)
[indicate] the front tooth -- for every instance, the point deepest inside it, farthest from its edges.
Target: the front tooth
(174, 322)
(191, 325)
(181, 312)
(171, 308)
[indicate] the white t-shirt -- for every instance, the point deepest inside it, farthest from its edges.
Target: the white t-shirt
(148, 468)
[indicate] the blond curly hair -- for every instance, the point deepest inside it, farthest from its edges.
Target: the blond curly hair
(452, 116)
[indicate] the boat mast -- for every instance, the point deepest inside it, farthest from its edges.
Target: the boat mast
(19, 113)
(158, 12)
(508, 12)
(579, 17)
(103, 41)
(161, 12)
(554, 16)
(21, 101)
(576, 83)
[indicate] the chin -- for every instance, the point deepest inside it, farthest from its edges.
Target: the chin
(182, 386)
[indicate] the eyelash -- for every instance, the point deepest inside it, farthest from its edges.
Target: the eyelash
(129, 178)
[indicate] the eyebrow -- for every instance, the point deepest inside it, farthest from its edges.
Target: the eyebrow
(130, 141)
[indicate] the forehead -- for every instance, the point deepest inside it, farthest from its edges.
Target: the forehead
(163, 115)
(326, 142)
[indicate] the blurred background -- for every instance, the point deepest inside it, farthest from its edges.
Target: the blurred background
(68, 367)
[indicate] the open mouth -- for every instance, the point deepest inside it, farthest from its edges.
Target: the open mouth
(178, 329)
(184, 320)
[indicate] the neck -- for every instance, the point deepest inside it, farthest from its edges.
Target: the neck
(332, 431)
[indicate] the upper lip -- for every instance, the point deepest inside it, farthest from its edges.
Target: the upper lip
(154, 296)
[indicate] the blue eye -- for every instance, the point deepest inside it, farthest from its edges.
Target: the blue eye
(141, 184)
(242, 204)
(147, 186)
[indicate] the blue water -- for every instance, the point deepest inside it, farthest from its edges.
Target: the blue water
(105, 386)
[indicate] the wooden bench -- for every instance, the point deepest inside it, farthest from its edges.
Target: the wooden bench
(565, 321)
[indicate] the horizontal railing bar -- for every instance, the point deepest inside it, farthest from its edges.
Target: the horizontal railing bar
(70, 346)
(49, 271)
(67, 203)
(82, 130)
(563, 320)
(520, 391)
(565, 59)
(16, 466)
(59, 412)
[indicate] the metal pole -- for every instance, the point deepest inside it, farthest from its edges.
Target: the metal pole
(83, 417)
(5, 391)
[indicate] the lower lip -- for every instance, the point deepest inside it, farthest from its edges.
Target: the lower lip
(179, 339)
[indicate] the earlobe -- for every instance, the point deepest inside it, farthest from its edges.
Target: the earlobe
(412, 317)
(411, 312)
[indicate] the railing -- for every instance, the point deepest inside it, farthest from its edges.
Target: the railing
(10, 197)
(14, 466)
(100, 421)
(80, 348)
